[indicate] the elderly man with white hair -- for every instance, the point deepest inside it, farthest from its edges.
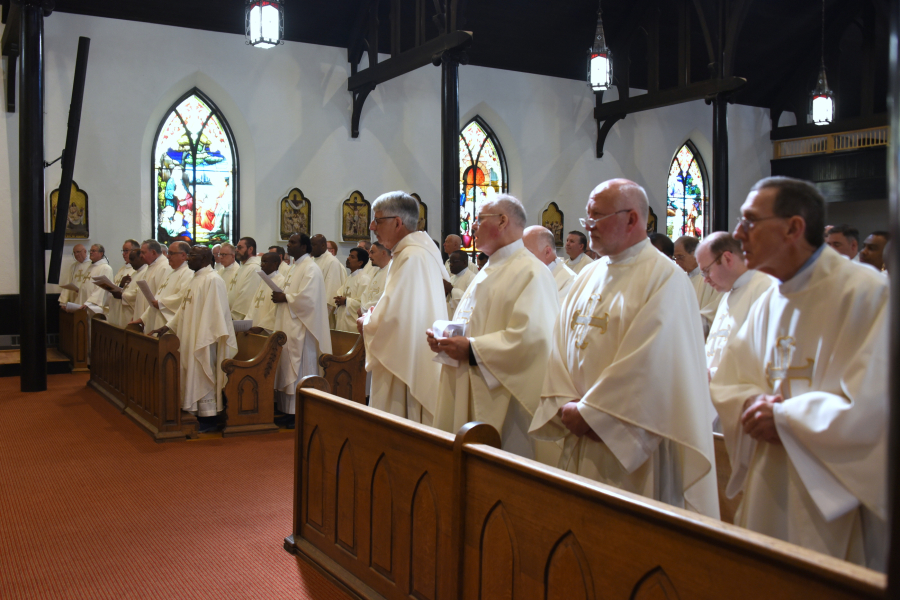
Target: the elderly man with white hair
(626, 388)
(452, 243)
(404, 376)
(230, 266)
(509, 310)
(540, 241)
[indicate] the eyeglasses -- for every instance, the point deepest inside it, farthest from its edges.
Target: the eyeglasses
(590, 223)
(746, 225)
(705, 272)
(376, 219)
(483, 215)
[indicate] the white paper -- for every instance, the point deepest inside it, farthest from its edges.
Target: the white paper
(145, 287)
(443, 330)
(269, 282)
(242, 325)
(69, 286)
(72, 307)
(104, 282)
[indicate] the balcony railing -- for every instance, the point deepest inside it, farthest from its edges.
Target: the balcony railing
(832, 142)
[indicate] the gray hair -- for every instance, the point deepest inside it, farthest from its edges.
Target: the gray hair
(399, 204)
(180, 247)
(135, 245)
(153, 245)
(227, 246)
(512, 208)
(543, 235)
(100, 248)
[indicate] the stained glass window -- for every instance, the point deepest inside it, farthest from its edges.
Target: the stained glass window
(482, 174)
(195, 174)
(687, 198)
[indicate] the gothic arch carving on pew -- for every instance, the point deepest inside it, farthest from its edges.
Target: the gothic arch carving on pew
(655, 585)
(343, 385)
(567, 575)
(423, 541)
(248, 396)
(315, 482)
(345, 500)
(499, 556)
(381, 520)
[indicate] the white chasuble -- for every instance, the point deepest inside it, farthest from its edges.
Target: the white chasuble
(372, 293)
(404, 376)
(82, 278)
(156, 275)
(564, 277)
(628, 348)
(262, 309)
(304, 319)
(130, 295)
(334, 274)
(345, 316)
(470, 266)
(228, 274)
(168, 296)
(243, 287)
(72, 274)
(510, 309)
(579, 263)
(283, 268)
(93, 294)
(206, 338)
(114, 307)
(460, 283)
(707, 298)
(820, 341)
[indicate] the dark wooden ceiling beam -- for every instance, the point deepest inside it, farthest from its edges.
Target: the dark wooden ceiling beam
(696, 91)
(9, 47)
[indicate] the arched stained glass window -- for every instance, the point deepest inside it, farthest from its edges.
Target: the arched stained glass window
(195, 174)
(687, 200)
(482, 174)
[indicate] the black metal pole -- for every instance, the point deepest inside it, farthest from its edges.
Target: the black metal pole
(32, 290)
(893, 564)
(720, 164)
(449, 144)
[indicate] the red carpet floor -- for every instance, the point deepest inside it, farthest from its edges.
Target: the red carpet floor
(91, 507)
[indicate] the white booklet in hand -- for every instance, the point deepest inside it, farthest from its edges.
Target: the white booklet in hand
(242, 325)
(145, 287)
(104, 282)
(443, 330)
(72, 307)
(269, 282)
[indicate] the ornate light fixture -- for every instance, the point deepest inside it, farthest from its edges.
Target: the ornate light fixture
(822, 97)
(599, 59)
(264, 23)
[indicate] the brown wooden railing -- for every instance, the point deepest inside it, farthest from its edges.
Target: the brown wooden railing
(73, 337)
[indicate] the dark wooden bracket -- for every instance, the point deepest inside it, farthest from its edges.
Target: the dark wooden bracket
(603, 130)
(9, 47)
(359, 98)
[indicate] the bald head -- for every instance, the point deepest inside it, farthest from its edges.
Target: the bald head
(540, 242)
(179, 247)
(452, 243)
(501, 221)
(619, 208)
(79, 252)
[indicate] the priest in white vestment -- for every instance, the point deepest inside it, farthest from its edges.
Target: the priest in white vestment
(228, 262)
(206, 336)
(453, 243)
(91, 295)
(509, 311)
(460, 278)
(802, 387)
(540, 241)
(113, 306)
(302, 315)
(626, 388)
(349, 298)
(262, 308)
(370, 268)
(172, 290)
(285, 264)
(218, 261)
(707, 297)
(158, 270)
(381, 258)
(404, 376)
(243, 286)
(73, 275)
(332, 271)
(576, 259)
(130, 290)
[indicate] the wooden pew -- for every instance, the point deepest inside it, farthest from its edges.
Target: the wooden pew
(73, 337)
(345, 369)
(727, 507)
(251, 384)
(108, 360)
(393, 509)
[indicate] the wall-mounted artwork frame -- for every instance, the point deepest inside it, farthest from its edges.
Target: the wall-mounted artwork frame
(295, 214)
(553, 219)
(422, 225)
(356, 214)
(77, 226)
(652, 222)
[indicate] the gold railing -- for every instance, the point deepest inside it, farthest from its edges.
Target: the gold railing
(832, 142)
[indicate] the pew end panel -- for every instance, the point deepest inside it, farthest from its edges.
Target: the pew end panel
(727, 506)
(108, 361)
(250, 390)
(73, 337)
(345, 368)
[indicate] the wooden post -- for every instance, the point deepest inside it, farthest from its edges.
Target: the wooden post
(719, 221)
(449, 144)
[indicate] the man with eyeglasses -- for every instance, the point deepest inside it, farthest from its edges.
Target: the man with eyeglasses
(576, 244)
(74, 275)
(802, 387)
(172, 290)
(91, 295)
(509, 310)
(845, 240)
(158, 270)
(332, 270)
(230, 267)
(707, 297)
(404, 376)
(626, 388)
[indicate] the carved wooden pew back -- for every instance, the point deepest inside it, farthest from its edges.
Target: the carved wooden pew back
(394, 509)
(73, 337)
(345, 368)
(251, 384)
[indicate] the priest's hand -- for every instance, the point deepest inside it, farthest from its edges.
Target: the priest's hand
(125, 281)
(278, 297)
(116, 295)
(758, 419)
(160, 332)
(573, 420)
(340, 300)
(448, 287)
(432, 341)
(359, 324)
(155, 303)
(455, 347)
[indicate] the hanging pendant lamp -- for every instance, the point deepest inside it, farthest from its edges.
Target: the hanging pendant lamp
(822, 108)
(599, 59)
(264, 23)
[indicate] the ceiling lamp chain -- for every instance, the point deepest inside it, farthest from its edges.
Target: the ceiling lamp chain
(599, 59)
(822, 112)
(264, 23)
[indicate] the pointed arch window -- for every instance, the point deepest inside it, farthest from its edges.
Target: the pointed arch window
(482, 174)
(687, 201)
(195, 174)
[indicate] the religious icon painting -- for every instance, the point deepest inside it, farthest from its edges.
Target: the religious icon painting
(77, 221)
(356, 214)
(552, 218)
(295, 214)
(651, 222)
(422, 225)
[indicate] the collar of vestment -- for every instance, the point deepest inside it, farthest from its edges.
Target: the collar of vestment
(160, 258)
(233, 265)
(184, 265)
(577, 259)
(554, 265)
(628, 253)
(802, 277)
(695, 272)
(421, 239)
(143, 268)
(203, 271)
(745, 278)
(355, 273)
(300, 260)
(253, 260)
(102, 261)
(502, 255)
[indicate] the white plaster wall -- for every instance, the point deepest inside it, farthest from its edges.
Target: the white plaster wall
(290, 112)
